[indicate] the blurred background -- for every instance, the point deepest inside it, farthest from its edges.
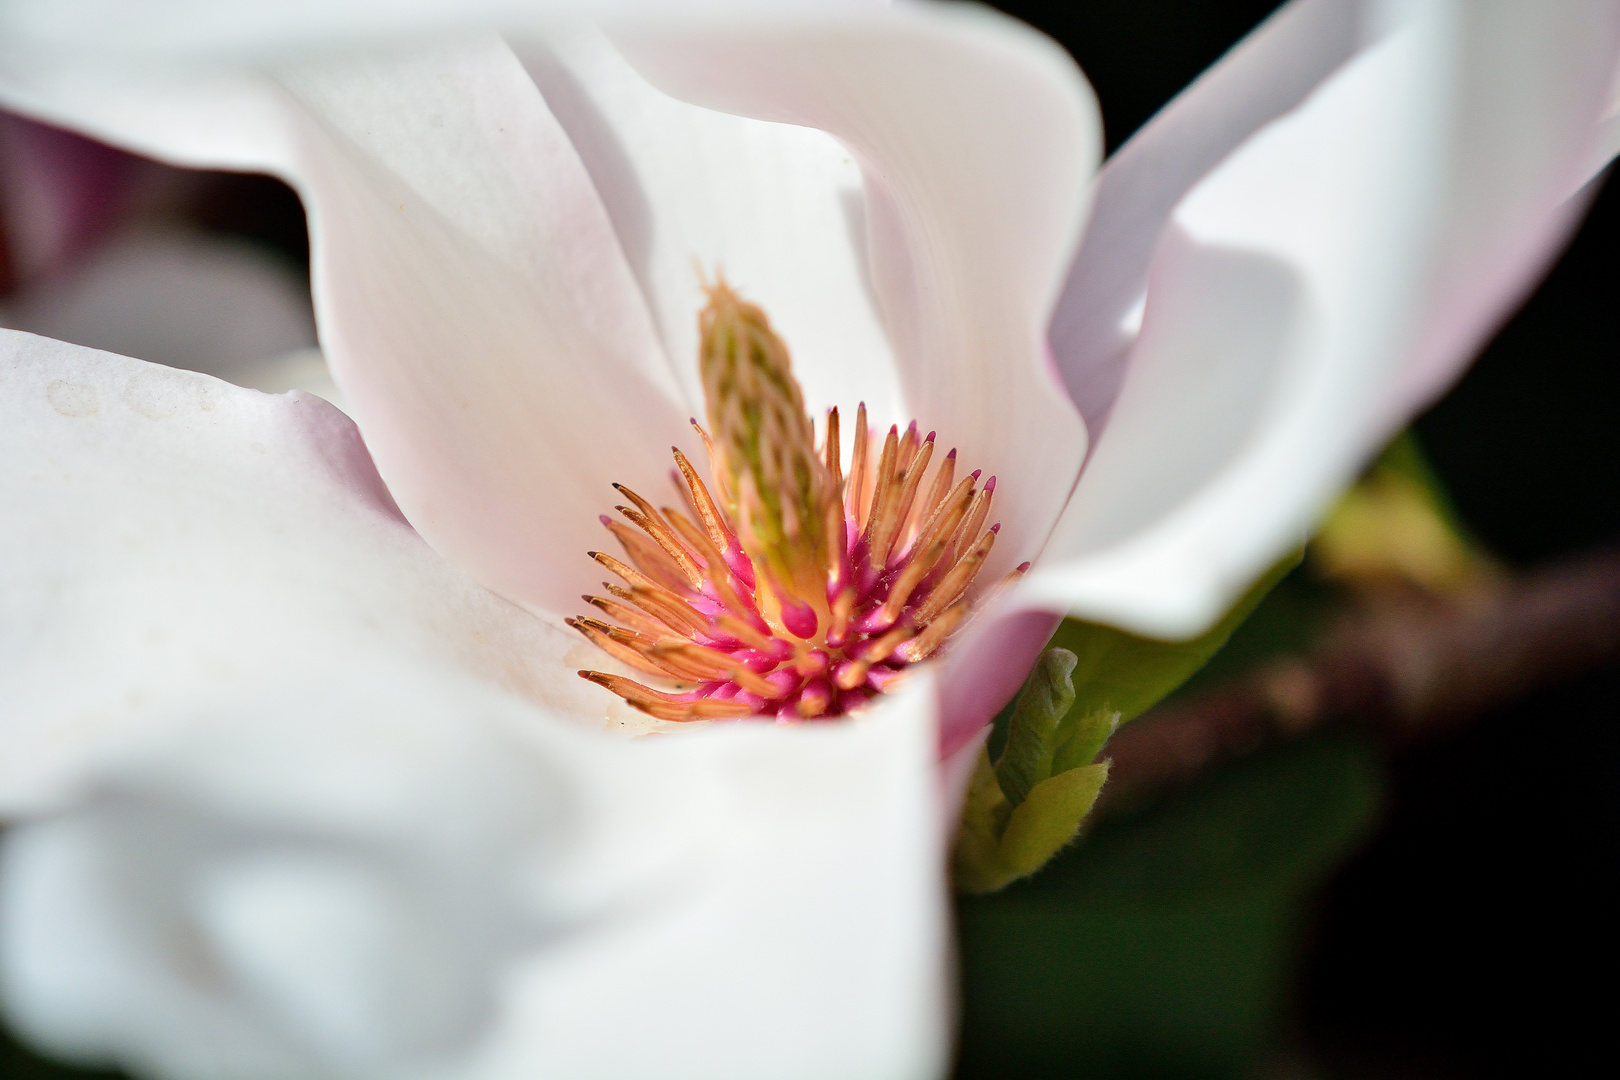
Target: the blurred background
(1337, 902)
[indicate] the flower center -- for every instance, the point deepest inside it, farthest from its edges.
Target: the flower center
(803, 591)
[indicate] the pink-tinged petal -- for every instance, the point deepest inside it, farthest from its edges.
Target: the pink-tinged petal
(59, 193)
(987, 665)
(474, 305)
(172, 297)
(169, 538)
(1287, 297)
(1265, 75)
(1530, 124)
(478, 314)
(253, 723)
(977, 139)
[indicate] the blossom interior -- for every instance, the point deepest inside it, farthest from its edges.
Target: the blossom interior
(803, 590)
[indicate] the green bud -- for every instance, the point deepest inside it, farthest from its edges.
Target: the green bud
(1032, 731)
(1023, 809)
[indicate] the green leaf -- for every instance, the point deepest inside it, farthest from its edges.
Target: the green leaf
(1049, 818)
(978, 867)
(1121, 672)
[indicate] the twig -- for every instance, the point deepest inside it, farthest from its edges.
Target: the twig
(1409, 665)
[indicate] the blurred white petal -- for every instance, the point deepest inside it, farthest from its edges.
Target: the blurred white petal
(242, 693)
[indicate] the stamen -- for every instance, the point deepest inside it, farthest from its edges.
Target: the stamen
(908, 492)
(978, 510)
(664, 606)
(716, 573)
(834, 450)
(641, 504)
(923, 645)
(909, 579)
(882, 500)
(719, 534)
(855, 505)
(628, 615)
(956, 581)
(634, 578)
(622, 652)
(629, 689)
(908, 447)
(814, 700)
(880, 648)
(796, 590)
(941, 525)
(662, 706)
(666, 540)
(716, 664)
(940, 487)
(648, 557)
(746, 634)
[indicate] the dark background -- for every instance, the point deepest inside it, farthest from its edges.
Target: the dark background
(1324, 908)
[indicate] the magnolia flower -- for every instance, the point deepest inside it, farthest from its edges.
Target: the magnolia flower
(308, 785)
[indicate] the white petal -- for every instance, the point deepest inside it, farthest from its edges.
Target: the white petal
(777, 208)
(1289, 302)
(977, 136)
(248, 711)
(1531, 97)
(1264, 76)
(976, 139)
(474, 305)
(255, 29)
(490, 338)
(169, 537)
(756, 968)
(316, 878)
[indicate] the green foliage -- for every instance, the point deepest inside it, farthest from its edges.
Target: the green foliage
(1041, 824)
(1020, 811)
(1163, 946)
(1397, 524)
(1041, 708)
(1025, 806)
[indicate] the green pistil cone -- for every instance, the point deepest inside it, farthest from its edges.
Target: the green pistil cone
(756, 417)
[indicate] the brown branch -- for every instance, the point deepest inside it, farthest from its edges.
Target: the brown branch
(1411, 666)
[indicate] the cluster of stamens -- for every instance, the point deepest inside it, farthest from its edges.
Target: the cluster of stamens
(795, 604)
